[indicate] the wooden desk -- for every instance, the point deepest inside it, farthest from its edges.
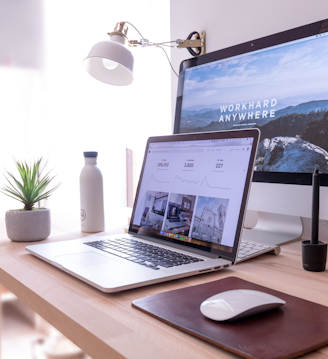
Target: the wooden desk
(106, 326)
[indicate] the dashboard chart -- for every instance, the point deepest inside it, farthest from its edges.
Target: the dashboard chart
(185, 180)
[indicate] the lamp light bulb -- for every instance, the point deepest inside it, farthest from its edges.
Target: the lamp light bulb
(109, 64)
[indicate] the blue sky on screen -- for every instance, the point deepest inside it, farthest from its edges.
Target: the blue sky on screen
(210, 203)
(292, 74)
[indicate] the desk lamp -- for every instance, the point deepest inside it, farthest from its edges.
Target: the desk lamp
(112, 61)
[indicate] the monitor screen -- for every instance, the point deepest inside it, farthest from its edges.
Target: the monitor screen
(278, 84)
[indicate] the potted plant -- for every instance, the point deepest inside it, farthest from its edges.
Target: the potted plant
(28, 223)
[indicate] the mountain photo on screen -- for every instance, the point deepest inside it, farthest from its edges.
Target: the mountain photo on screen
(282, 90)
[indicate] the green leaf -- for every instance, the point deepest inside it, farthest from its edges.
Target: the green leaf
(30, 187)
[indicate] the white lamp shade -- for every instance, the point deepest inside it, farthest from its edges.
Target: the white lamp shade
(115, 52)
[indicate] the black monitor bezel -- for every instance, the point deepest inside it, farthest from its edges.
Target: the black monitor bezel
(312, 29)
(246, 133)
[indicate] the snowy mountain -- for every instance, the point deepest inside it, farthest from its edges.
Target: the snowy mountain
(208, 119)
(290, 154)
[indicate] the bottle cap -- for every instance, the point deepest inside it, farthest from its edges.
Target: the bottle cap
(90, 154)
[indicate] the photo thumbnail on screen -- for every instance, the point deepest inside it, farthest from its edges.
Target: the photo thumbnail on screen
(209, 219)
(154, 209)
(179, 213)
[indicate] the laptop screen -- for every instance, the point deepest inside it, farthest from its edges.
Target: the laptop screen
(192, 187)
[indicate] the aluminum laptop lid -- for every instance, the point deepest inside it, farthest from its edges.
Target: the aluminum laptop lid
(193, 190)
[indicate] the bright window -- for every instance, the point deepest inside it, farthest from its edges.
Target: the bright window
(58, 111)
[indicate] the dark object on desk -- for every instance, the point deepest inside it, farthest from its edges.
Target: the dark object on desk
(314, 253)
(294, 329)
(239, 303)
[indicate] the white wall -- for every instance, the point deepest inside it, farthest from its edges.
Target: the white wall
(230, 22)
(21, 33)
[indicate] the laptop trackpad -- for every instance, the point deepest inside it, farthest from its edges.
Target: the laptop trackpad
(83, 259)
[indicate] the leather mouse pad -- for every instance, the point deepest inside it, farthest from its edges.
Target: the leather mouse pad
(294, 329)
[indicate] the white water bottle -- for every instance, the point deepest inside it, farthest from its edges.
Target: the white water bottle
(92, 195)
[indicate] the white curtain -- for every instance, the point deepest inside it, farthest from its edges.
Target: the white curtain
(59, 111)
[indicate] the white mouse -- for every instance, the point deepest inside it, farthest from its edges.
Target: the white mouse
(238, 303)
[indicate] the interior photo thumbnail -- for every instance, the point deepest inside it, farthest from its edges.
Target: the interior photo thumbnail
(179, 213)
(208, 224)
(154, 209)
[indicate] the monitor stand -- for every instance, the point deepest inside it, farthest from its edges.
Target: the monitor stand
(275, 229)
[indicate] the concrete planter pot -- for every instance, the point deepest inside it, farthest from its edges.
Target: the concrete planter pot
(28, 226)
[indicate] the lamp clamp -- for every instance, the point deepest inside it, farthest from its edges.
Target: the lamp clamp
(198, 42)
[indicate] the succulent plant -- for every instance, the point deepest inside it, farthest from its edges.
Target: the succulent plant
(31, 186)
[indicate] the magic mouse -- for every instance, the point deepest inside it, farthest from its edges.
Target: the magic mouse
(238, 303)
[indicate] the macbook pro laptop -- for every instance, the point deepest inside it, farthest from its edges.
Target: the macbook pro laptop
(200, 180)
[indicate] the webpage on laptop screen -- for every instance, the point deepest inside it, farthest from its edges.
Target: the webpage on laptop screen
(192, 190)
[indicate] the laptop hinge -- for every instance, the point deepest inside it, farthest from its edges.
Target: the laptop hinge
(228, 259)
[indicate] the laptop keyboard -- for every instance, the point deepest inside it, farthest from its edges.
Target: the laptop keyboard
(250, 249)
(145, 254)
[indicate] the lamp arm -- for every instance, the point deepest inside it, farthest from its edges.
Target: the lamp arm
(188, 43)
(197, 43)
(144, 42)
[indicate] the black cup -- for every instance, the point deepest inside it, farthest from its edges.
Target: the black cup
(314, 256)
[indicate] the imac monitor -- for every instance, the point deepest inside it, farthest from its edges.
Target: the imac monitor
(278, 84)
